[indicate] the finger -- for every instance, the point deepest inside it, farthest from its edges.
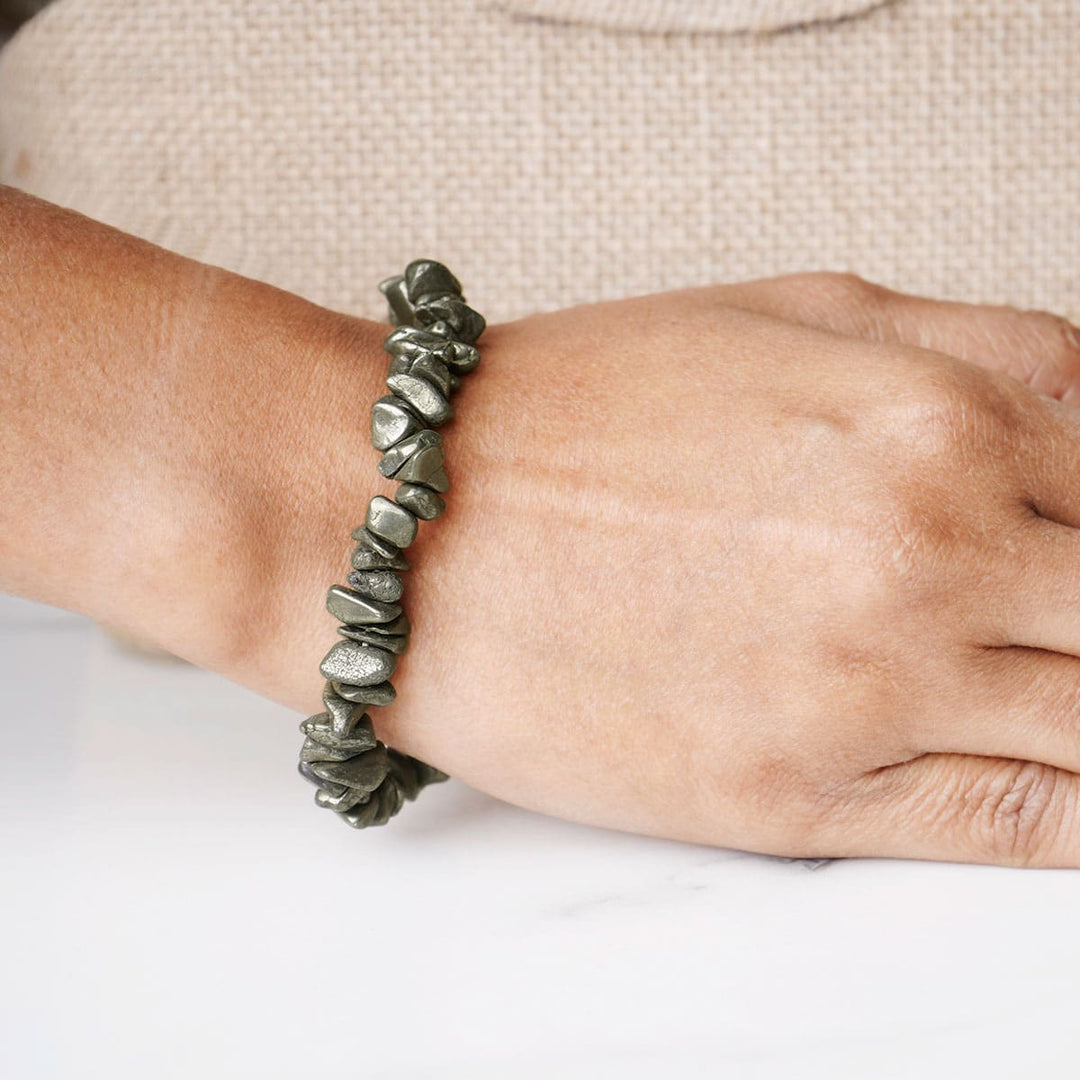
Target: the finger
(1035, 589)
(1017, 702)
(960, 808)
(1049, 453)
(1037, 348)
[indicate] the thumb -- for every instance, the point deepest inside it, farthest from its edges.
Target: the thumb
(1039, 349)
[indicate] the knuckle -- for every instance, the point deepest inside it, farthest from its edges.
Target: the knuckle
(957, 413)
(1051, 332)
(1015, 811)
(845, 291)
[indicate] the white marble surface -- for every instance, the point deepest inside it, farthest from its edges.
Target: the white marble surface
(173, 906)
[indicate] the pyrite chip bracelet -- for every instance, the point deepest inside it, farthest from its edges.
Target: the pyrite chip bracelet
(360, 778)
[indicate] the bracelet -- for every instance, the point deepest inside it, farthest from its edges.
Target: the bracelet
(360, 778)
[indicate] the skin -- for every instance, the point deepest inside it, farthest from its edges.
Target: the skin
(790, 566)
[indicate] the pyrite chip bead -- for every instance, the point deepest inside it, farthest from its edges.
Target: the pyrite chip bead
(391, 421)
(343, 715)
(412, 343)
(466, 323)
(365, 557)
(426, 278)
(422, 501)
(376, 694)
(397, 297)
(395, 643)
(422, 396)
(365, 772)
(382, 585)
(320, 730)
(430, 367)
(355, 610)
(437, 481)
(400, 625)
(391, 521)
(380, 545)
(357, 664)
(426, 442)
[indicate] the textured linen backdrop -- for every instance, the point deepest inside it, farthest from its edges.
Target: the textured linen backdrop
(560, 151)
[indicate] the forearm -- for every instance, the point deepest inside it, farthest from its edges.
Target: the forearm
(157, 419)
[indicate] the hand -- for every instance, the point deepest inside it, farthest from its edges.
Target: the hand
(752, 566)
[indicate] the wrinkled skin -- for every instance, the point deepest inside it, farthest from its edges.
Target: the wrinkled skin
(790, 566)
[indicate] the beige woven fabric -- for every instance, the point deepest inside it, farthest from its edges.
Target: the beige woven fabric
(557, 151)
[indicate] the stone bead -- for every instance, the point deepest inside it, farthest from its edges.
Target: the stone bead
(313, 751)
(399, 454)
(411, 342)
(422, 396)
(357, 664)
(395, 643)
(365, 557)
(391, 421)
(397, 296)
(379, 544)
(344, 802)
(344, 715)
(431, 368)
(378, 694)
(421, 467)
(378, 809)
(426, 277)
(460, 357)
(320, 729)
(422, 501)
(305, 769)
(437, 480)
(466, 323)
(382, 585)
(352, 608)
(400, 625)
(391, 521)
(365, 772)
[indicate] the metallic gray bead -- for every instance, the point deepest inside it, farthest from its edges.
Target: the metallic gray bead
(422, 466)
(422, 501)
(378, 809)
(397, 296)
(365, 772)
(400, 625)
(343, 803)
(431, 368)
(398, 455)
(437, 481)
(441, 329)
(382, 585)
(460, 357)
(378, 544)
(313, 751)
(365, 557)
(357, 664)
(455, 383)
(391, 521)
(466, 323)
(391, 421)
(395, 643)
(422, 396)
(344, 715)
(411, 342)
(356, 610)
(321, 730)
(378, 694)
(305, 770)
(426, 277)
